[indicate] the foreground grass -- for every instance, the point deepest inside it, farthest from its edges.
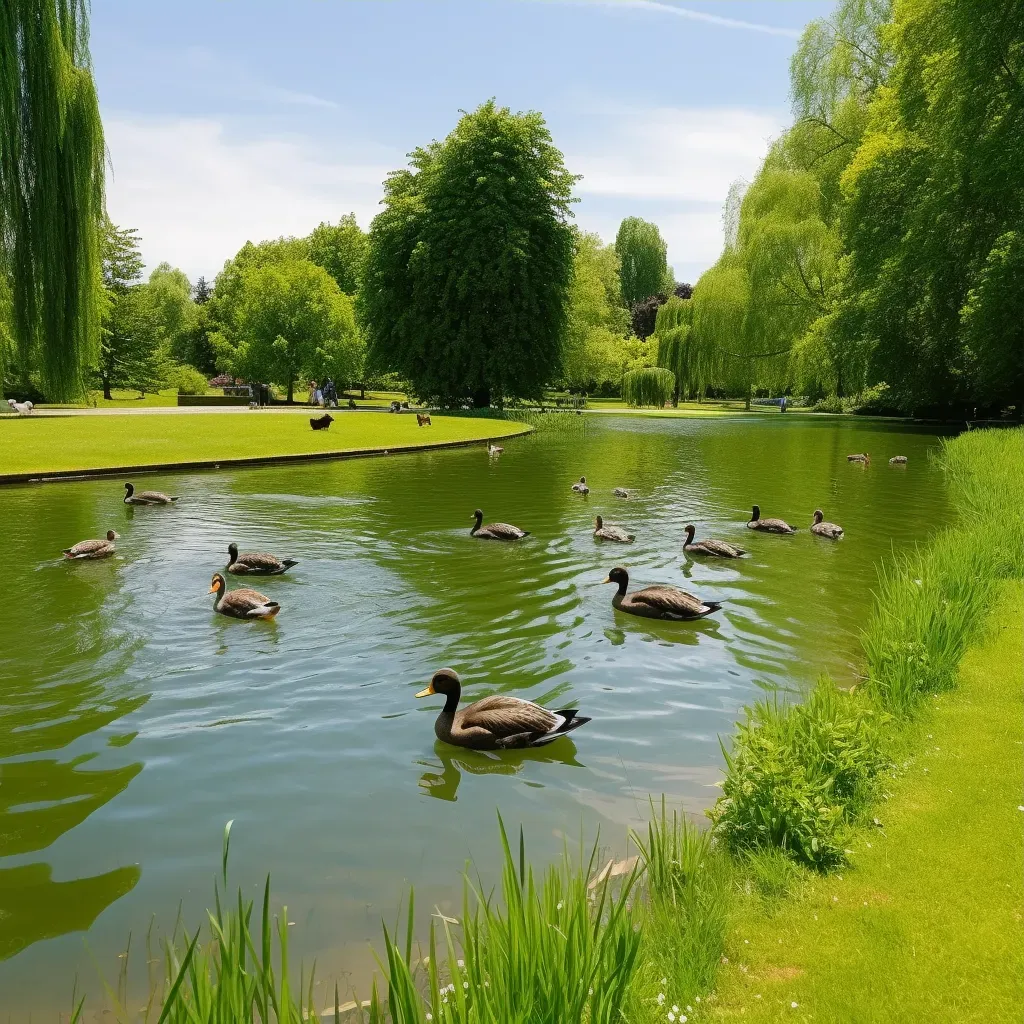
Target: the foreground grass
(926, 924)
(41, 445)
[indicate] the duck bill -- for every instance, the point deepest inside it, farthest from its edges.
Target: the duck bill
(607, 579)
(213, 589)
(428, 692)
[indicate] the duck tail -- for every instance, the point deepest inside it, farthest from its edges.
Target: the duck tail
(711, 606)
(289, 562)
(526, 533)
(174, 498)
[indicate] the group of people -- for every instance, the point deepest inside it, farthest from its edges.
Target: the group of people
(325, 395)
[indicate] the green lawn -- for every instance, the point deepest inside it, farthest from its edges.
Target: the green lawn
(48, 444)
(926, 925)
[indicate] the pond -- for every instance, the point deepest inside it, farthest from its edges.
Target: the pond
(136, 722)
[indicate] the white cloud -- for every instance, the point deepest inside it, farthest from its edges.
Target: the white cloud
(196, 195)
(658, 7)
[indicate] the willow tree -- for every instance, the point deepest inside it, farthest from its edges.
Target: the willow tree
(643, 260)
(693, 358)
(651, 386)
(51, 188)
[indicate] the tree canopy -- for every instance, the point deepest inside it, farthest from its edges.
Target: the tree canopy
(469, 266)
(643, 260)
(340, 249)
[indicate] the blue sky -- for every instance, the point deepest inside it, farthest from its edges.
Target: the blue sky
(233, 120)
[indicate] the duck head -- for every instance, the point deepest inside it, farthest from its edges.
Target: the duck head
(112, 535)
(233, 552)
(690, 531)
(756, 514)
(620, 576)
(217, 584)
(598, 522)
(129, 490)
(445, 681)
(818, 515)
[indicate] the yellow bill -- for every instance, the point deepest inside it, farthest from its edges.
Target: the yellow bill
(427, 692)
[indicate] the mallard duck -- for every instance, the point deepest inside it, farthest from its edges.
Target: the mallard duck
(768, 525)
(620, 492)
(581, 487)
(709, 546)
(93, 548)
(830, 530)
(495, 531)
(615, 533)
(898, 460)
(243, 603)
(859, 457)
(498, 722)
(146, 497)
(658, 602)
(256, 563)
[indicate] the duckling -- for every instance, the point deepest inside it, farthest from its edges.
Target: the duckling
(898, 460)
(859, 457)
(615, 533)
(581, 487)
(256, 563)
(93, 548)
(658, 602)
(146, 497)
(496, 723)
(830, 530)
(495, 531)
(768, 525)
(620, 492)
(243, 603)
(710, 546)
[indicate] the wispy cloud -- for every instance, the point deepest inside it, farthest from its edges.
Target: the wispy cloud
(659, 7)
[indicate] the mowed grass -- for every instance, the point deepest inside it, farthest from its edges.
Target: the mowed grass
(926, 922)
(49, 444)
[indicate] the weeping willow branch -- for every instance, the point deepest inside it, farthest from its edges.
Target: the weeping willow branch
(51, 188)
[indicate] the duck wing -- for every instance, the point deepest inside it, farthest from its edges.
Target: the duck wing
(719, 548)
(258, 562)
(154, 497)
(615, 533)
(503, 716)
(502, 531)
(246, 603)
(85, 547)
(672, 601)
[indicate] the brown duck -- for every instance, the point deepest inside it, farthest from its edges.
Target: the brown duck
(93, 548)
(498, 722)
(243, 603)
(658, 602)
(859, 457)
(256, 563)
(710, 546)
(133, 497)
(495, 531)
(615, 533)
(768, 525)
(831, 530)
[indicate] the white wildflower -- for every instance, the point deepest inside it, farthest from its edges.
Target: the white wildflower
(661, 998)
(675, 1009)
(559, 907)
(794, 1005)
(671, 1016)
(461, 963)
(465, 984)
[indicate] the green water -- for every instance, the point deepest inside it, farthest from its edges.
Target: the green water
(136, 722)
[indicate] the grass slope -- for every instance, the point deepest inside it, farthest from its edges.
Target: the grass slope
(41, 445)
(927, 923)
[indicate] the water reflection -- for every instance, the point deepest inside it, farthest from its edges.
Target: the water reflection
(443, 784)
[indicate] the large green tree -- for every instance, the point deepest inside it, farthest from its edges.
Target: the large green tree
(51, 189)
(340, 249)
(294, 321)
(643, 260)
(467, 275)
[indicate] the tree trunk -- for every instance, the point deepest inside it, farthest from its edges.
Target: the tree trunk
(750, 390)
(291, 391)
(362, 392)
(106, 388)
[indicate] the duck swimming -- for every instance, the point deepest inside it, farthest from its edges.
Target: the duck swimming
(243, 603)
(498, 722)
(898, 460)
(859, 457)
(93, 548)
(615, 533)
(256, 563)
(822, 529)
(658, 602)
(768, 525)
(581, 487)
(495, 531)
(620, 492)
(133, 497)
(710, 546)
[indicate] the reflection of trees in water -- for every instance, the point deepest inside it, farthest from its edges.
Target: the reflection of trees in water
(444, 784)
(64, 619)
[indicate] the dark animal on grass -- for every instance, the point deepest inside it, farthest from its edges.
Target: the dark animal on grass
(423, 419)
(321, 422)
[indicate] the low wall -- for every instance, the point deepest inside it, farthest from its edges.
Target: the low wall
(212, 400)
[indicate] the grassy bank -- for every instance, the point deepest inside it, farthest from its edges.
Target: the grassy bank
(42, 445)
(864, 863)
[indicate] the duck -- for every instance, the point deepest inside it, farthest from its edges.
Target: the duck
(768, 525)
(859, 457)
(494, 449)
(243, 603)
(146, 497)
(256, 563)
(898, 460)
(615, 533)
(581, 487)
(93, 548)
(710, 546)
(495, 531)
(822, 529)
(620, 492)
(658, 602)
(496, 723)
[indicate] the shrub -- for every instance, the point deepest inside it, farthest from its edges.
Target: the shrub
(653, 386)
(187, 379)
(799, 775)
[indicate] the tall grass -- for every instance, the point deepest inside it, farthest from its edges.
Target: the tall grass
(798, 776)
(562, 421)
